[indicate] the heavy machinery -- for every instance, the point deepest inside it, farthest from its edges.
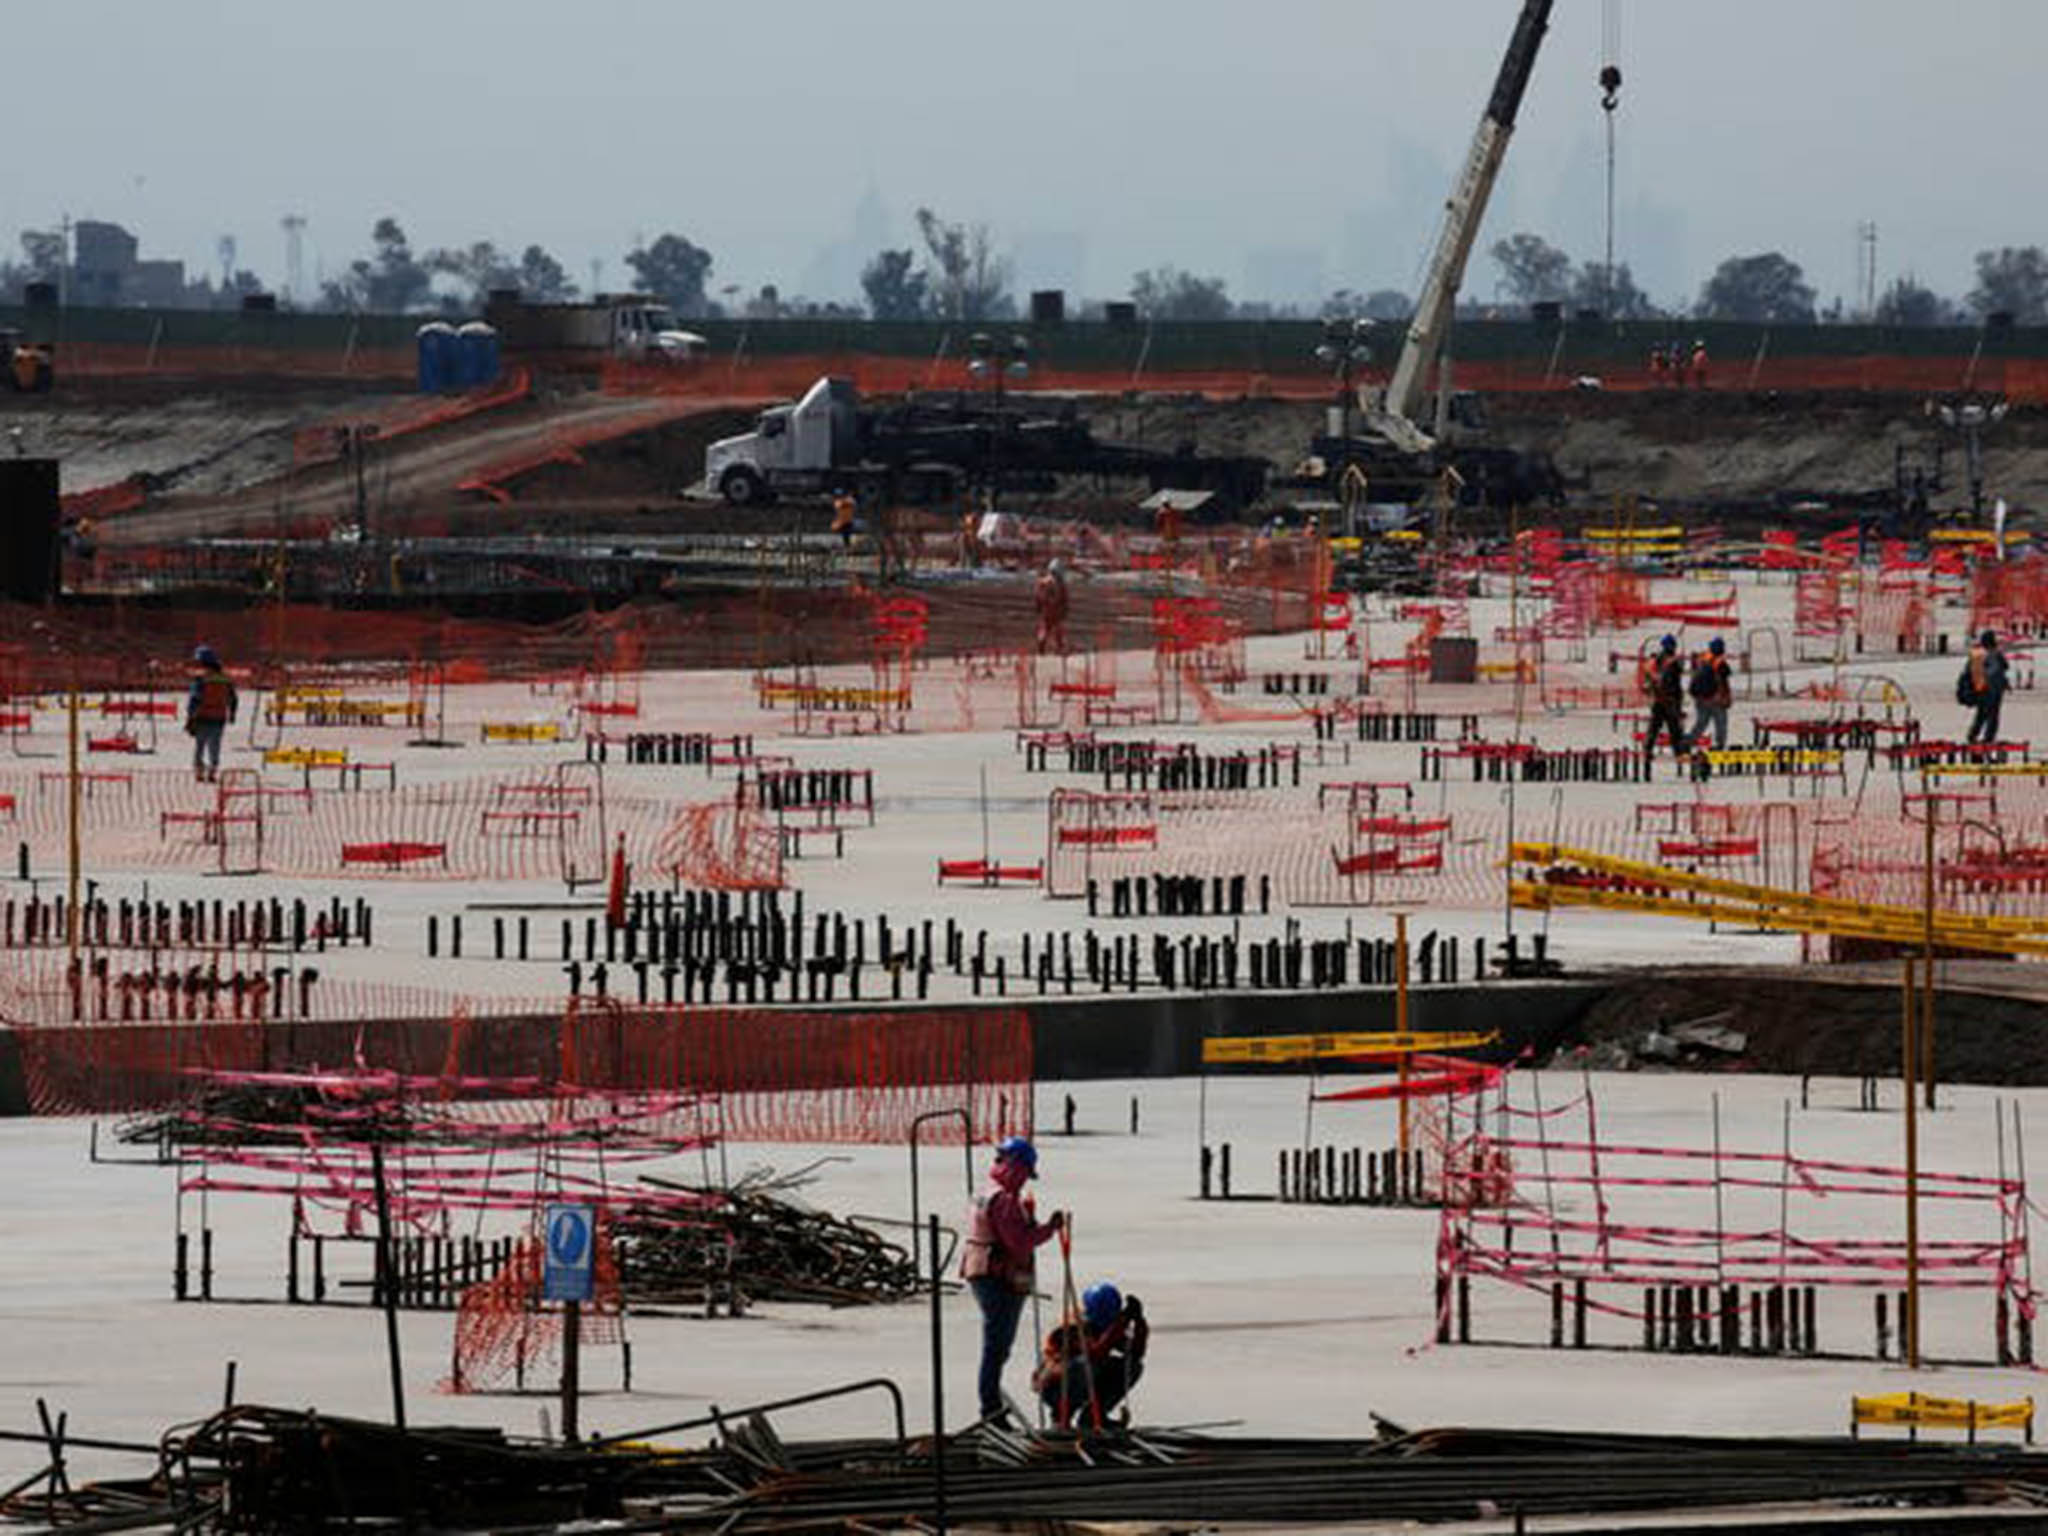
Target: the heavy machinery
(933, 447)
(629, 326)
(30, 366)
(1398, 458)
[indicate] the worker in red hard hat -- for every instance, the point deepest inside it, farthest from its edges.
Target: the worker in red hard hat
(998, 1259)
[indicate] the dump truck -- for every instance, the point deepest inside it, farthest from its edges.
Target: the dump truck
(936, 446)
(632, 326)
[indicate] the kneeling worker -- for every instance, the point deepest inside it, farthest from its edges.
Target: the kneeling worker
(1089, 1366)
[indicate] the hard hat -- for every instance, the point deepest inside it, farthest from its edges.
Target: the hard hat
(205, 656)
(1055, 566)
(1101, 1304)
(1017, 1149)
(1987, 638)
(1717, 645)
(1668, 643)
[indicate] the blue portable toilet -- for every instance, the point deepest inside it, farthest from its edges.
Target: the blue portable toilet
(439, 363)
(479, 347)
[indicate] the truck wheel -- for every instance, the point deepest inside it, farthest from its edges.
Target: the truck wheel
(742, 487)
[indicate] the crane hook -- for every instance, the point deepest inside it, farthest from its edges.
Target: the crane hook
(1610, 87)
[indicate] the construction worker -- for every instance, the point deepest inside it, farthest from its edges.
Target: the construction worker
(1982, 686)
(1664, 684)
(1052, 601)
(997, 1261)
(843, 509)
(970, 541)
(1697, 371)
(1090, 1364)
(210, 705)
(1712, 690)
(1167, 520)
(1659, 366)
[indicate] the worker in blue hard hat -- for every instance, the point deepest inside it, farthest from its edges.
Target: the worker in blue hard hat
(1713, 690)
(998, 1259)
(1664, 684)
(210, 707)
(1090, 1363)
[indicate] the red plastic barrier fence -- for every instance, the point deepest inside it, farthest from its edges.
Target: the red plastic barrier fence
(781, 1076)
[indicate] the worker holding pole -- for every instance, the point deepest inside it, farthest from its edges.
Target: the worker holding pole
(998, 1263)
(1093, 1359)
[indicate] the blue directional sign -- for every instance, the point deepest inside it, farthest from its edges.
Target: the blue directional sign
(571, 1232)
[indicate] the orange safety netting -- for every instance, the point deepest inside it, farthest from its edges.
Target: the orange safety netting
(503, 1332)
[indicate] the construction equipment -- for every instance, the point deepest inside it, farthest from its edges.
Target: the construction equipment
(1400, 460)
(931, 447)
(31, 366)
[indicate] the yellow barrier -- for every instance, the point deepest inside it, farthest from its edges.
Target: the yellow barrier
(1235, 1049)
(1763, 895)
(320, 705)
(306, 757)
(1532, 897)
(1916, 1410)
(1984, 770)
(1976, 536)
(521, 730)
(821, 696)
(1638, 535)
(1772, 757)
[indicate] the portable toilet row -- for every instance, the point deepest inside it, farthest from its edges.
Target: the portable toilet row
(452, 360)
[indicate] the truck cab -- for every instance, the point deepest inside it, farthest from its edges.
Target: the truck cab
(792, 447)
(651, 331)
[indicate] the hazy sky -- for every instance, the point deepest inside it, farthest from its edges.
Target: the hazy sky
(1290, 147)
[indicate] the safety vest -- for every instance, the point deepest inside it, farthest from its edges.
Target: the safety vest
(216, 697)
(983, 1253)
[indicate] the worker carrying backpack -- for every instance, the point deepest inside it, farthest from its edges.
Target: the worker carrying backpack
(1706, 682)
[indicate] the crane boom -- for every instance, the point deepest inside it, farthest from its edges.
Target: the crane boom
(1395, 416)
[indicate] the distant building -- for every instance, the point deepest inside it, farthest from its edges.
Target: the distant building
(106, 271)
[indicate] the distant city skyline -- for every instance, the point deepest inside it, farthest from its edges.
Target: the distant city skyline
(1291, 153)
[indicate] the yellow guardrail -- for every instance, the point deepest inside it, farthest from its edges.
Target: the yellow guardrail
(1918, 1410)
(1222, 1050)
(1663, 533)
(1764, 895)
(306, 757)
(1531, 897)
(1976, 536)
(1984, 770)
(521, 730)
(1772, 757)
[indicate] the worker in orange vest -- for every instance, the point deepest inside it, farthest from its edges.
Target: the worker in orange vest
(843, 509)
(210, 706)
(1699, 364)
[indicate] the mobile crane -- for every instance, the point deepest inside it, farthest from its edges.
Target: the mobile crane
(1399, 459)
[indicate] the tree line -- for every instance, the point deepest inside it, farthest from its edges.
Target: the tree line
(1771, 288)
(957, 272)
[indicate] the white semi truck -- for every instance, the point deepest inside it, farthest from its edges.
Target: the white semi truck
(795, 448)
(928, 448)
